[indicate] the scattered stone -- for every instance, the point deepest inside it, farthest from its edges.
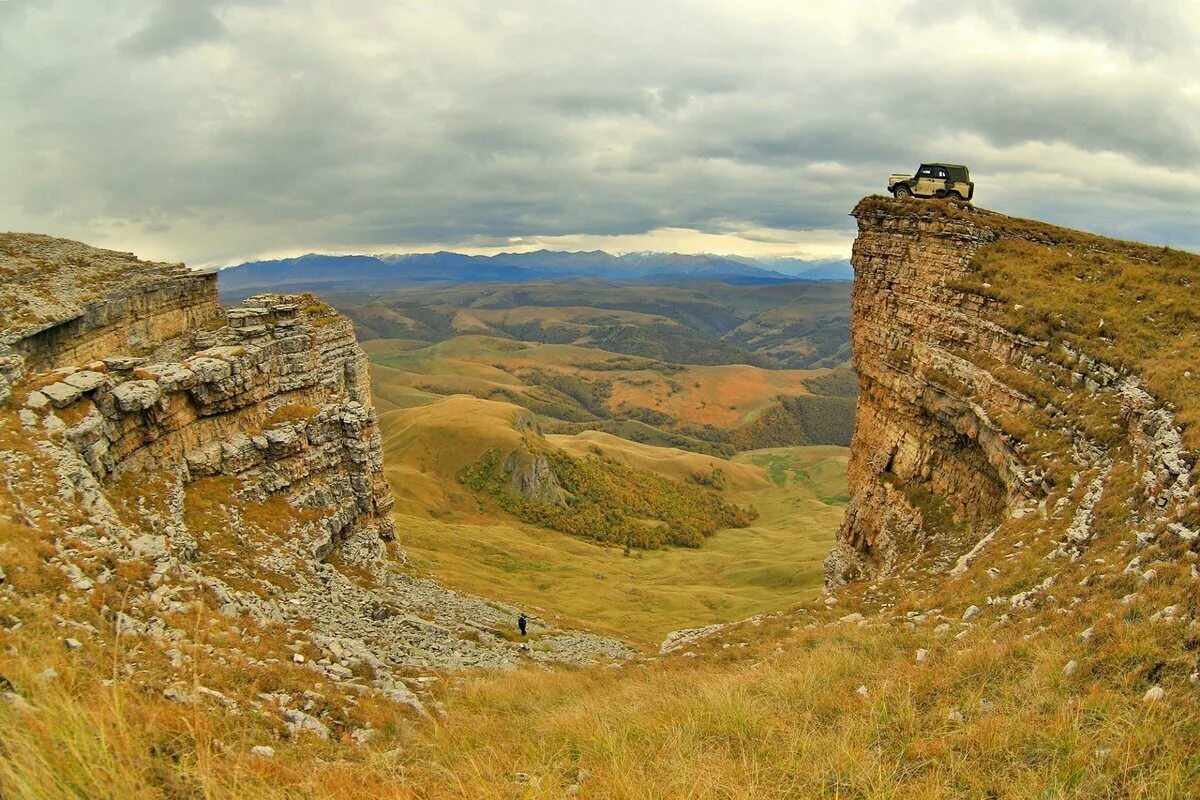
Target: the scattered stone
(149, 546)
(1070, 668)
(1086, 635)
(300, 722)
(922, 655)
(1167, 614)
(175, 695)
(263, 751)
(72, 644)
(942, 630)
(970, 612)
(677, 640)
(362, 736)
(298, 658)
(213, 694)
(862, 691)
(955, 716)
(338, 672)
(1183, 532)
(19, 703)
(1154, 694)
(855, 617)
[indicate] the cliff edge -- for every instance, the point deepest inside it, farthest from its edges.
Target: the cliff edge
(1006, 371)
(163, 458)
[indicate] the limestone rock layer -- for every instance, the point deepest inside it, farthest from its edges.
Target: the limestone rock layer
(233, 453)
(940, 456)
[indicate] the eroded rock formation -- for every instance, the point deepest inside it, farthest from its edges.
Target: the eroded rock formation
(234, 451)
(942, 449)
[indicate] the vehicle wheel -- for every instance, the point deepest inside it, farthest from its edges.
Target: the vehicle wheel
(902, 191)
(955, 196)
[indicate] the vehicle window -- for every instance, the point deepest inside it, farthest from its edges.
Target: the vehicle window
(926, 172)
(940, 174)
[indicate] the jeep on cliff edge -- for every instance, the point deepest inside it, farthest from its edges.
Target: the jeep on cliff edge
(950, 181)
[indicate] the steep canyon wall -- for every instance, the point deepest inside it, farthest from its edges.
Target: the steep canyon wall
(225, 458)
(963, 422)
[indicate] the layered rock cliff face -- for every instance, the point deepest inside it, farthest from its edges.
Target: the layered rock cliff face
(66, 303)
(233, 454)
(274, 395)
(963, 422)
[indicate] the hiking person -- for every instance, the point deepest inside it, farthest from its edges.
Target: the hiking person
(522, 622)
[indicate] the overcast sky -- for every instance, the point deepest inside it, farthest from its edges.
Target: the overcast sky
(213, 131)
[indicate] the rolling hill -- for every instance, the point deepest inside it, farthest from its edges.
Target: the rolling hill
(466, 539)
(787, 325)
(715, 409)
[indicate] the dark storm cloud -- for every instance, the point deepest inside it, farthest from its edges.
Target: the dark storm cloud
(216, 130)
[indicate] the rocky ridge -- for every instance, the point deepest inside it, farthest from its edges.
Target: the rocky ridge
(223, 459)
(964, 423)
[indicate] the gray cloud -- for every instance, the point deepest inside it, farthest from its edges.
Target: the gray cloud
(217, 130)
(173, 26)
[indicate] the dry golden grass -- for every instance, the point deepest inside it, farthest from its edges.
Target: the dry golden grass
(1128, 305)
(779, 717)
(723, 396)
(762, 711)
(294, 412)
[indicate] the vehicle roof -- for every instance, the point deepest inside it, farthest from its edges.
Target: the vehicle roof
(942, 164)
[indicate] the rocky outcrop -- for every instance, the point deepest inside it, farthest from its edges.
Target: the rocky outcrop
(941, 454)
(276, 398)
(531, 476)
(234, 455)
(67, 303)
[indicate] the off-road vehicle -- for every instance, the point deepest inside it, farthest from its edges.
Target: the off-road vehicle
(951, 181)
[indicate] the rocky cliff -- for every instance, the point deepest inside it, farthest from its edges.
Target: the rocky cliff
(187, 456)
(971, 413)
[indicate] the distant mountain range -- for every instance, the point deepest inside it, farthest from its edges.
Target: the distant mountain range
(317, 272)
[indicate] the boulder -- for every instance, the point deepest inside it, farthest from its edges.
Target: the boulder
(299, 722)
(133, 396)
(61, 394)
(37, 401)
(86, 380)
